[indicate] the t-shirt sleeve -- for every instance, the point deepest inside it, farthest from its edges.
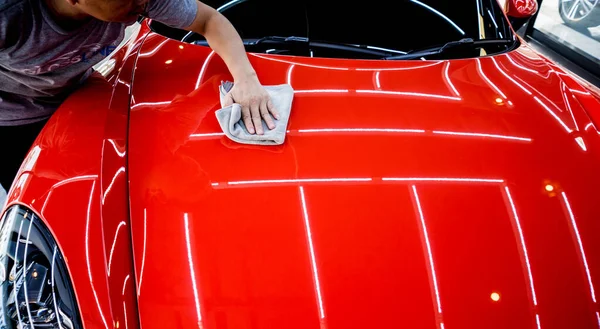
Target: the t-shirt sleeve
(12, 24)
(175, 13)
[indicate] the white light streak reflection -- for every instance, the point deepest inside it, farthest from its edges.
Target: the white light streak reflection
(568, 103)
(206, 136)
(567, 129)
(581, 143)
(534, 58)
(407, 93)
(143, 256)
(53, 286)
(24, 284)
(481, 35)
(292, 181)
(335, 68)
(377, 82)
(573, 223)
(441, 179)
(407, 68)
(515, 218)
(125, 315)
(87, 253)
(522, 67)
(321, 91)
(510, 78)
(493, 19)
(112, 249)
(433, 10)
(289, 74)
(203, 69)
(114, 144)
(155, 49)
(124, 305)
(73, 179)
(125, 285)
(121, 170)
(16, 260)
(381, 131)
(361, 130)
(277, 182)
(448, 81)
(150, 104)
(539, 94)
(270, 58)
(124, 83)
(386, 49)
(429, 252)
(31, 158)
(489, 82)
(522, 139)
(192, 271)
(313, 260)
(580, 92)
(229, 4)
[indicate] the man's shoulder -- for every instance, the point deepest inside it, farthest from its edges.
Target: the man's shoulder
(9, 5)
(11, 14)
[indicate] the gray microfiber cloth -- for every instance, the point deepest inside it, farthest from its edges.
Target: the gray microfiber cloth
(230, 117)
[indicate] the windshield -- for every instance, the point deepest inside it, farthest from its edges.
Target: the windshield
(394, 27)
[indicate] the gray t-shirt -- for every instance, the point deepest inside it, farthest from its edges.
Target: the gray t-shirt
(41, 63)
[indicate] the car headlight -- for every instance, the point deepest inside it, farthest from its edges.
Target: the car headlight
(35, 288)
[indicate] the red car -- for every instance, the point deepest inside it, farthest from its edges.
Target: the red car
(437, 173)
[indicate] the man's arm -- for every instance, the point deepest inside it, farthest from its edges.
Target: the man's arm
(247, 91)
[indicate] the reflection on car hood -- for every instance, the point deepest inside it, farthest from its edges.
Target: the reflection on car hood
(417, 194)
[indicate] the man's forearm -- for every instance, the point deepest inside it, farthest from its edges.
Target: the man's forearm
(247, 91)
(225, 41)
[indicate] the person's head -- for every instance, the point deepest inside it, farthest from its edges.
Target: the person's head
(111, 10)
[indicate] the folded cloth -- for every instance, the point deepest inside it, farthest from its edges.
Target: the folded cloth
(230, 117)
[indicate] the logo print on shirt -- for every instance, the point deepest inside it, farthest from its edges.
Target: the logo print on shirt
(82, 55)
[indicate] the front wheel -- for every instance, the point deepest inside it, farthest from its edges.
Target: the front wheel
(580, 14)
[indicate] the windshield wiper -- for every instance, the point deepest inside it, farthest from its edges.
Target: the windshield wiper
(276, 39)
(452, 44)
(294, 40)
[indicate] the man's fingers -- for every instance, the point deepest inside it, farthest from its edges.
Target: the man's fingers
(228, 100)
(271, 108)
(264, 111)
(255, 113)
(247, 119)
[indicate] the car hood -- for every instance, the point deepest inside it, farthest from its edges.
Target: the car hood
(417, 194)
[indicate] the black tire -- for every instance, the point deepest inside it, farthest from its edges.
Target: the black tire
(582, 19)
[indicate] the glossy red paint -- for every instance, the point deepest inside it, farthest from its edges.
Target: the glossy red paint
(418, 194)
(522, 8)
(406, 195)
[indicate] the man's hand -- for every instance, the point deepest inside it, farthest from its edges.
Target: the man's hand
(255, 102)
(247, 90)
